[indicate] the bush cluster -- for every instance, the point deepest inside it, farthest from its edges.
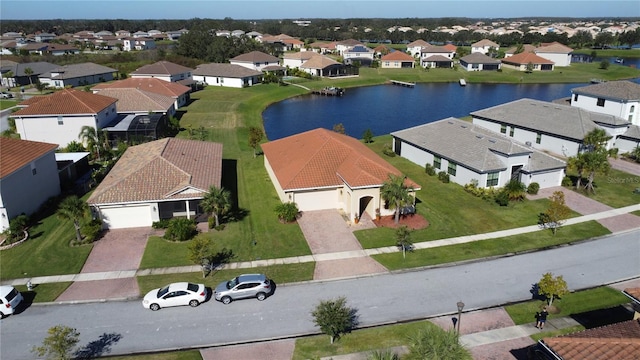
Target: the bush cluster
(444, 177)
(483, 193)
(533, 188)
(180, 229)
(430, 170)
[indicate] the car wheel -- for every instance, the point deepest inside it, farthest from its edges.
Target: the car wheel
(1, 315)
(261, 296)
(154, 307)
(226, 300)
(194, 303)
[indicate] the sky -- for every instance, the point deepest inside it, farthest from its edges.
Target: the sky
(306, 9)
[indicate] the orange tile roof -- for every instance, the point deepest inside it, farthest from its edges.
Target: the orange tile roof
(450, 47)
(67, 101)
(137, 100)
(616, 341)
(323, 158)
(525, 58)
(397, 56)
(154, 85)
(554, 47)
(161, 170)
(16, 153)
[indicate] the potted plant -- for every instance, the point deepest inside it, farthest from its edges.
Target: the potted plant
(377, 214)
(356, 219)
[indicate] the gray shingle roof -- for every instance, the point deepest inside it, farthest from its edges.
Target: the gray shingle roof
(633, 132)
(162, 68)
(225, 70)
(255, 57)
(479, 58)
(72, 71)
(620, 90)
(473, 147)
(546, 117)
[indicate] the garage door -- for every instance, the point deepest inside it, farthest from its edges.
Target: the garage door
(316, 200)
(126, 217)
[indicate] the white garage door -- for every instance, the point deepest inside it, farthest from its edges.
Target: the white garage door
(126, 216)
(316, 200)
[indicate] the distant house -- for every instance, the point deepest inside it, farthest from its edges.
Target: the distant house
(140, 101)
(50, 49)
(58, 118)
(344, 45)
(558, 53)
(286, 42)
(138, 43)
(479, 62)
(436, 56)
(414, 48)
(44, 37)
(24, 73)
(228, 75)
(483, 46)
(617, 98)
(361, 54)
(255, 60)
(527, 62)
(321, 169)
(469, 152)
(397, 60)
(323, 66)
(77, 75)
(28, 177)
(178, 92)
(295, 59)
(527, 48)
(167, 71)
(181, 172)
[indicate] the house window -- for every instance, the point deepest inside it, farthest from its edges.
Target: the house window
(452, 169)
(33, 169)
(492, 179)
(632, 109)
(503, 129)
(538, 138)
(630, 118)
(600, 102)
(575, 97)
(60, 120)
(511, 131)
(437, 162)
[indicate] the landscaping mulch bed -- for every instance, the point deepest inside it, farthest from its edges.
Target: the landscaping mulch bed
(414, 222)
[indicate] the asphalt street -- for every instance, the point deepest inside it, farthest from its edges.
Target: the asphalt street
(122, 327)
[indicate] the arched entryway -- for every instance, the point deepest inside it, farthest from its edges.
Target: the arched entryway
(365, 206)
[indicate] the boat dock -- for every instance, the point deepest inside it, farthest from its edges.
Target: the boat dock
(402, 83)
(329, 91)
(463, 82)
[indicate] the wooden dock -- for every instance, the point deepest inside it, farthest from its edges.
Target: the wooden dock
(330, 91)
(402, 83)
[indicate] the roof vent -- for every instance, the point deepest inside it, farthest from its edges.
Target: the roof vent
(492, 141)
(528, 143)
(479, 136)
(463, 126)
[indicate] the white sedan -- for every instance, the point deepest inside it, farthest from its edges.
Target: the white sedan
(176, 294)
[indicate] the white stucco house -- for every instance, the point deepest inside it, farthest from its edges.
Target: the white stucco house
(157, 180)
(228, 75)
(397, 60)
(165, 70)
(617, 98)
(479, 62)
(558, 53)
(178, 92)
(138, 43)
(344, 45)
(436, 56)
(255, 60)
(322, 169)
(28, 177)
(58, 118)
(414, 48)
(483, 46)
(75, 75)
(468, 152)
(294, 60)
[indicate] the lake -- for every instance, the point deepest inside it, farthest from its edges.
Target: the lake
(387, 108)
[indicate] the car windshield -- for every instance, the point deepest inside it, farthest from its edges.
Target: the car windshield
(163, 291)
(192, 287)
(231, 283)
(12, 294)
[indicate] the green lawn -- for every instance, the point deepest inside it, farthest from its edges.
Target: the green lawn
(5, 104)
(615, 189)
(176, 355)
(42, 293)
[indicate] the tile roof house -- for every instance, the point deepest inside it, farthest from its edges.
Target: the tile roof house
(556, 128)
(58, 118)
(28, 177)
(415, 47)
(228, 75)
(558, 53)
(167, 71)
(77, 75)
(479, 62)
(20, 76)
(512, 50)
(255, 60)
(344, 45)
(180, 93)
(139, 101)
(322, 66)
(139, 43)
(432, 50)
(483, 46)
(617, 98)
(359, 53)
(322, 169)
(295, 59)
(616, 341)
(468, 152)
(397, 60)
(526, 61)
(157, 180)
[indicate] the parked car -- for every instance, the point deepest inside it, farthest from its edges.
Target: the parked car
(242, 287)
(175, 294)
(6, 95)
(10, 298)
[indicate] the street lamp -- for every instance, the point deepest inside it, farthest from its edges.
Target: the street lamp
(460, 307)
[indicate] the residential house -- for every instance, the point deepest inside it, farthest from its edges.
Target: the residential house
(436, 57)
(479, 62)
(323, 47)
(140, 101)
(360, 54)
(122, 34)
(73, 75)
(471, 153)
(284, 41)
(44, 37)
(381, 50)
(397, 60)
(167, 71)
(255, 60)
(228, 75)
(294, 60)
(322, 169)
(344, 45)
(629, 140)
(138, 43)
(24, 73)
(526, 61)
(181, 172)
(178, 92)
(559, 129)
(58, 118)
(617, 98)
(323, 66)
(558, 53)
(527, 48)
(50, 49)
(483, 46)
(74, 171)
(140, 34)
(414, 48)
(28, 177)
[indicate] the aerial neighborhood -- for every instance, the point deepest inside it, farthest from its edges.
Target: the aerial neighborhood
(152, 133)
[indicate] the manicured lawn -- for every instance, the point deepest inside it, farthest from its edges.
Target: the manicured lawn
(176, 355)
(614, 189)
(571, 304)
(5, 104)
(377, 338)
(280, 274)
(491, 247)
(43, 292)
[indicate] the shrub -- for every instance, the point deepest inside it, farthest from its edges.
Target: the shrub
(388, 150)
(566, 181)
(180, 229)
(515, 190)
(533, 188)
(91, 230)
(444, 177)
(17, 226)
(502, 198)
(287, 212)
(161, 224)
(429, 169)
(211, 221)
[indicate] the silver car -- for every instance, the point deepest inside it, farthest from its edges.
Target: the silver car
(244, 286)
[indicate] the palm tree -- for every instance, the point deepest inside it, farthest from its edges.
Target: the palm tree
(435, 343)
(89, 137)
(396, 193)
(74, 209)
(29, 71)
(217, 202)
